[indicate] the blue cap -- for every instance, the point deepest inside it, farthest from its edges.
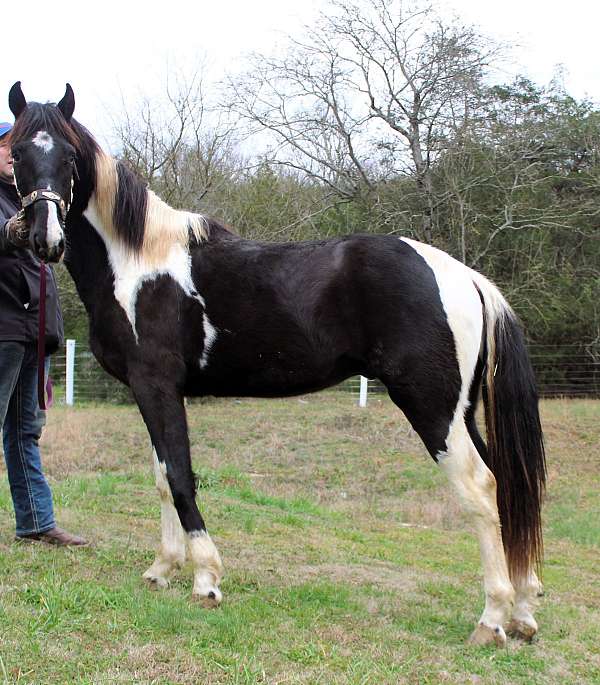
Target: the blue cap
(4, 128)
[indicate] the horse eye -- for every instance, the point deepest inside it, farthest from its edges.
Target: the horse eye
(16, 157)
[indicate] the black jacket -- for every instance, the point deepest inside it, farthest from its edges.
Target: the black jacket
(20, 287)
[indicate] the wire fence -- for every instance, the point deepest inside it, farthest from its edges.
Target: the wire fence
(561, 371)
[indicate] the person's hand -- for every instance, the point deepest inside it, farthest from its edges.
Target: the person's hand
(16, 231)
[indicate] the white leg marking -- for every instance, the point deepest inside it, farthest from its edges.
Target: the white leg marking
(171, 553)
(476, 488)
(523, 624)
(208, 568)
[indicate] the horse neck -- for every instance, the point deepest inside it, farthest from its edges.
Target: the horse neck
(86, 260)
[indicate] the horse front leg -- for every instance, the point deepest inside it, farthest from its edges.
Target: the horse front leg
(164, 414)
(172, 550)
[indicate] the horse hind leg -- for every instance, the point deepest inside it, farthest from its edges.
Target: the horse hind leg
(446, 437)
(527, 587)
(476, 487)
(522, 623)
(172, 550)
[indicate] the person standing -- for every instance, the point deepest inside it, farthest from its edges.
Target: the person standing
(21, 418)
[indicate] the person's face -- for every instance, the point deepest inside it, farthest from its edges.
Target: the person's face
(6, 163)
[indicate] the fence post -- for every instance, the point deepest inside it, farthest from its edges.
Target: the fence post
(70, 372)
(362, 397)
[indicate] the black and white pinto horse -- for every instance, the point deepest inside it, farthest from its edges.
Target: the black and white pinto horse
(180, 306)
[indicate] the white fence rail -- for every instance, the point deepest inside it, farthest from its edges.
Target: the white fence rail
(561, 371)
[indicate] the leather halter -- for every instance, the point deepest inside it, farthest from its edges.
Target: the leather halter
(50, 195)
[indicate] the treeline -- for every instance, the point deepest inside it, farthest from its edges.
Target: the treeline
(387, 118)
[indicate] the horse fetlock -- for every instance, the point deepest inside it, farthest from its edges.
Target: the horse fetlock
(488, 635)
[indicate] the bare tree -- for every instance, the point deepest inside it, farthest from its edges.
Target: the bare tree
(183, 147)
(371, 93)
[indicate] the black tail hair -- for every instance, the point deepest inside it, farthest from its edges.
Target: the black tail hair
(516, 454)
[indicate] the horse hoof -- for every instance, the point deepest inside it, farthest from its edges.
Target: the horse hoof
(488, 635)
(522, 630)
(155, 582)
(208, 601)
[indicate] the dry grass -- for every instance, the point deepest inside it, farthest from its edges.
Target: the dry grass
(347, 558)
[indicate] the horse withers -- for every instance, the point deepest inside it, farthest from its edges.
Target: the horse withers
(180, 306)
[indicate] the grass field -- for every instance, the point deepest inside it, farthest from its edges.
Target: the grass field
(347, 559)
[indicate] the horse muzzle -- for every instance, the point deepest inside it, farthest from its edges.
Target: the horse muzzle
(47, 236)
(47, 211)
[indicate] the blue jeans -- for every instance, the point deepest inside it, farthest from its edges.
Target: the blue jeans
(22, 421)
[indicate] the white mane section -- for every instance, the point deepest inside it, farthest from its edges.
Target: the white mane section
(165, 250)
(166, 225)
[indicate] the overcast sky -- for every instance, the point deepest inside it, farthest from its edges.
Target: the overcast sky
(126, 46)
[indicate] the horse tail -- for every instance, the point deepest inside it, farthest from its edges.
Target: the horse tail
(516, 454)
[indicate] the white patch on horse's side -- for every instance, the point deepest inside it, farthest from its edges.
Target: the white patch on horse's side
(44, 141)
(210, 335)
(132, 271)
(463, 309)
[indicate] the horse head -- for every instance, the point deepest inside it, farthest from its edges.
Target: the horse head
(44, 154)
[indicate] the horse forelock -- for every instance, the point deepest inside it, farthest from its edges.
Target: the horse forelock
(47, 117)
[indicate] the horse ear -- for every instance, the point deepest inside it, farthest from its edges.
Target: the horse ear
(16, 99)
(67, 104)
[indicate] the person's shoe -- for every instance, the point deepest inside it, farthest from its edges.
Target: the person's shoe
(55, 536)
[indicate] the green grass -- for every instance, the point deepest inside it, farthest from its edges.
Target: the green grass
(347, 558)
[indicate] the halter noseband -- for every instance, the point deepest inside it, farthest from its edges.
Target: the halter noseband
(42, 194)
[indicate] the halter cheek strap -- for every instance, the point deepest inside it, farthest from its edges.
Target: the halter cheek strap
(50, 195)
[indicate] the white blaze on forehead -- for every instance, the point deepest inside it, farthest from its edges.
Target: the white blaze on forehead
(44, 141)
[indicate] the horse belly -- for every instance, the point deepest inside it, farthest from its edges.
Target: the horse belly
(254, 368)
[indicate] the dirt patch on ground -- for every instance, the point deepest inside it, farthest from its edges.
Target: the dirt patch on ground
(379, 574)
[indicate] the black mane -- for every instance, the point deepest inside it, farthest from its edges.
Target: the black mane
(131, 202)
